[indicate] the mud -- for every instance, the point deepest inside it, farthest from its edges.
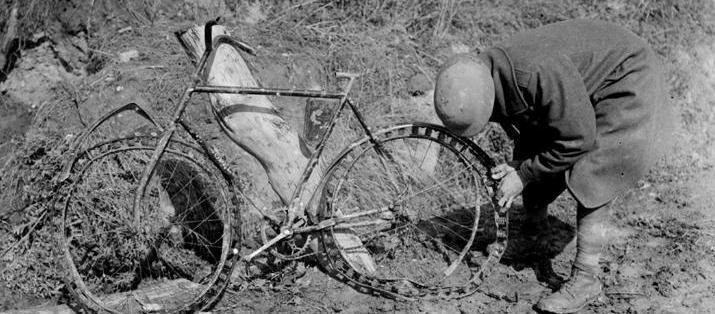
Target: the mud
(660, 258)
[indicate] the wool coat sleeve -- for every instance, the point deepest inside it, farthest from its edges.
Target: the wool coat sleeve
(562, 108)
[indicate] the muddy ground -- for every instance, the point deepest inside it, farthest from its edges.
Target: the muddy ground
(661, 257)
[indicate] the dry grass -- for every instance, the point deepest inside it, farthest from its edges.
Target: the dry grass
(32, 15)
(28, 265)
(387, 41)
(409, 35)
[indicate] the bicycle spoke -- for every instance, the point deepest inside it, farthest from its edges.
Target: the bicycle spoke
(184, 230)
(432, 213)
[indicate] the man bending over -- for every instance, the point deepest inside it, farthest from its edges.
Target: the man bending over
(585, 102)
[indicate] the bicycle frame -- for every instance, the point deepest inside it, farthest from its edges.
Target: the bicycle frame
(297, 219)
(295, 208)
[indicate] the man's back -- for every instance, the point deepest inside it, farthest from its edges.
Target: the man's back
(594, 47)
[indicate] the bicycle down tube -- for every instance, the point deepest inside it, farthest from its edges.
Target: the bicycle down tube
(294, 208)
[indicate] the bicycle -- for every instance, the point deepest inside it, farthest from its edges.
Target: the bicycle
(389, 222)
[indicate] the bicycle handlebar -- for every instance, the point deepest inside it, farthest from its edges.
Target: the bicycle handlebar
(210, 43)
(225, 39)
(207, 33)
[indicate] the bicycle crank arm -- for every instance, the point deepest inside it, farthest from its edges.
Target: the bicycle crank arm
(284, 234)
(338, 222)
(334, 223)
(343, 221)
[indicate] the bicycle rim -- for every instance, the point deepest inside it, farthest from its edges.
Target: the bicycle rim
(414, 199)
(176, 257)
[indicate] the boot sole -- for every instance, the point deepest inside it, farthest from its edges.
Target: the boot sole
(540, 309)
(560, 311)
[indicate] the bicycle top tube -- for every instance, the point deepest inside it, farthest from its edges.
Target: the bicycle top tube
(206, 61)
(228, 89)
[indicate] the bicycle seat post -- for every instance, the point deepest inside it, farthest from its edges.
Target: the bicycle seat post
(351, 79)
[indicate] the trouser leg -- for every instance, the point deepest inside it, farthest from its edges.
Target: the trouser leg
(591, 237)
(584, 285)
(539, 194)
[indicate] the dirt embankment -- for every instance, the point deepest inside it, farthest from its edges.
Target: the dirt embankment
(660, 259)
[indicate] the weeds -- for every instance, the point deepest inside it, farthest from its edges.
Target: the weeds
(27, 233)
(387, 41)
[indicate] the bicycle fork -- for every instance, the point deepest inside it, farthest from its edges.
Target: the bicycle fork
(158, 151)
(169, 131)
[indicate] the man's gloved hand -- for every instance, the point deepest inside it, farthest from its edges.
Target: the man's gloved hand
(510, 186)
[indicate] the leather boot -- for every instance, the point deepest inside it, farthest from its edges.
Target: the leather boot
(574, 295)
(584, 286)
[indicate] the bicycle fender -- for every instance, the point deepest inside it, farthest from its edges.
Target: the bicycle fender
(83, 136)
(130, 106)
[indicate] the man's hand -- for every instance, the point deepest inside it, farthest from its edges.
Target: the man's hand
(510, 186)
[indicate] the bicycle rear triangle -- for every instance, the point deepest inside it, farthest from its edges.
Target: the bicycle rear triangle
(150, 222)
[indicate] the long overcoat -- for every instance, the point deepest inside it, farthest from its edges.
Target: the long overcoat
(583, 98)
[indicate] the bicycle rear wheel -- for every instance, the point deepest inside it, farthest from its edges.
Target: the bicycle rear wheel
(408, 208)
(176, 255)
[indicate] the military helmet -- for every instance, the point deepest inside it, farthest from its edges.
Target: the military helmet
(464, 94)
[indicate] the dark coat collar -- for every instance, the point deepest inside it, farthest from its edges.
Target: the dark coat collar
(508, 101)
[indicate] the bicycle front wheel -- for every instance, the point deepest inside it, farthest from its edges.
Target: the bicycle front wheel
(407, 208)
(173, 253)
